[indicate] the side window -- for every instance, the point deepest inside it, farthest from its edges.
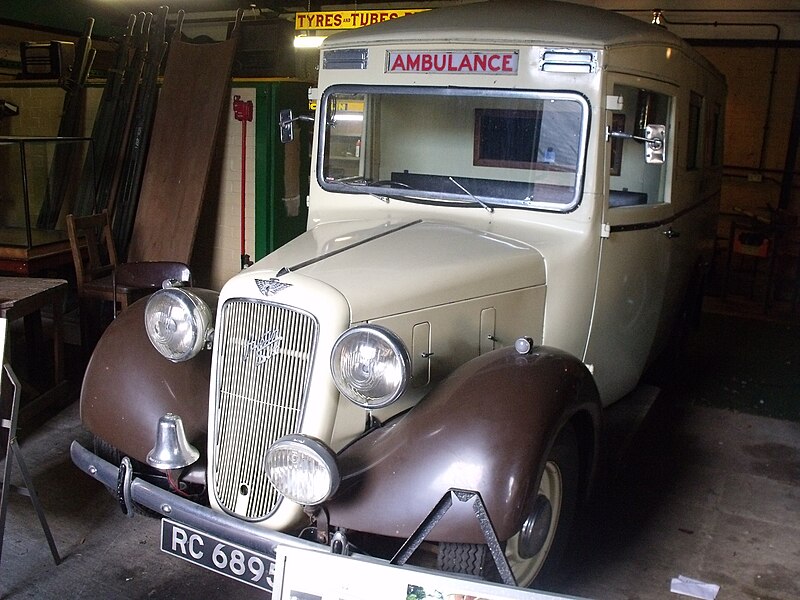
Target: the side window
(694, 134)
(714, 139)
(633, 182)
(346, 135)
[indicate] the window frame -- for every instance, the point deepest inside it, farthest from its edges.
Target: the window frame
(437, 197)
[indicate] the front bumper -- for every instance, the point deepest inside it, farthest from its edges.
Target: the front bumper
(187, 512)
(267, 541)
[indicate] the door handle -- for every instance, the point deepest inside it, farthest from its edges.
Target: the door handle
(671, 233)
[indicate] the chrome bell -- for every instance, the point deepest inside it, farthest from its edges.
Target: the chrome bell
(172, 449)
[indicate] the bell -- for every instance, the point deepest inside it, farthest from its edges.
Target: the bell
(172, 449)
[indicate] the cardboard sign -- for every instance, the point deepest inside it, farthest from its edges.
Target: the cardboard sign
(337, 577)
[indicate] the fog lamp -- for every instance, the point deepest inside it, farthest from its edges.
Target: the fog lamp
(302, 469)
(178, 323)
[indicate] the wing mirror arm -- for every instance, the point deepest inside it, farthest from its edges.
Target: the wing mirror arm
(654, 141)
(286, 124)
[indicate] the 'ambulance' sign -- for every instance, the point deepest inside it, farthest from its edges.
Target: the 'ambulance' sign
(482, 62)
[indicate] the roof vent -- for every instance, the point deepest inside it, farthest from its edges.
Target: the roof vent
(568, 60)
(349, 58)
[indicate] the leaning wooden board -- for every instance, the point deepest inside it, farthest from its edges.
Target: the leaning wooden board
(195, 91)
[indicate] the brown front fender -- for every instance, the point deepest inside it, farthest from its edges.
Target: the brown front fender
(487, 428)
(128, 386)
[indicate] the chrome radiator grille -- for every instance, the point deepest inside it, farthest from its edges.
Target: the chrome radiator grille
(263, 370)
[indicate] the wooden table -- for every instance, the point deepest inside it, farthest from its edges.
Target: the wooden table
(24, 297)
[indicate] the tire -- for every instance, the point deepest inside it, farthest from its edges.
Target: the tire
(106, 451)
(471, 559)
(534, 552)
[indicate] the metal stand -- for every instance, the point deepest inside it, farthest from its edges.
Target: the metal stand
(13, 452)
(489, 534)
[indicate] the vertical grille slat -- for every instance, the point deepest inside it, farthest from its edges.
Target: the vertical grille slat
(264, 363)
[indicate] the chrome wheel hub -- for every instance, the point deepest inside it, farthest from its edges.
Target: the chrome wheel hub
(527, 551)
(534, 530)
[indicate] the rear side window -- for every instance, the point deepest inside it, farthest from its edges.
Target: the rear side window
(695, 122)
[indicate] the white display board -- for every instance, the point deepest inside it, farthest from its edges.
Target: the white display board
(311, 575)
(3, 325)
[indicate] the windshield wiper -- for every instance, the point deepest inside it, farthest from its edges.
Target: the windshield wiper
(362, 182)
(468, 193)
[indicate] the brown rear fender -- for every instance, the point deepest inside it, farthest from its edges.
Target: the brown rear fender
(128, 386)
(487, 428)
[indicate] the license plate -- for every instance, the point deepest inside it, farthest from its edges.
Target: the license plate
(217, 555)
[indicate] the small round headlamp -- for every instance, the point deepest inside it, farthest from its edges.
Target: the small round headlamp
(302, 469)
(370, 366)
(178, 323)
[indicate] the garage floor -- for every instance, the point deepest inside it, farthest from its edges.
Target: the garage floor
(697, 489)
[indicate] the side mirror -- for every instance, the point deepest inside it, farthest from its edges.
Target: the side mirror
(286, 121)
(286, 124)
(655, 144)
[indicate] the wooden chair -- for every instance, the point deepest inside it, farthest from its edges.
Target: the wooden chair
(94, 257)
(99, 277)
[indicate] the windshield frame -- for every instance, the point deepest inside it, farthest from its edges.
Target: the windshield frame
(469, 198)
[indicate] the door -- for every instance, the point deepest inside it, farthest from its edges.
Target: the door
(635, 249)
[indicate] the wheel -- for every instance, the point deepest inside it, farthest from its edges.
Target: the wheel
(533, 553)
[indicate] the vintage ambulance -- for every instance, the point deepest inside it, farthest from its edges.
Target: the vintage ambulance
(512, 204)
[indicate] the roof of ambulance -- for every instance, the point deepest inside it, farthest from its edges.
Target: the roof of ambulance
(542, 21)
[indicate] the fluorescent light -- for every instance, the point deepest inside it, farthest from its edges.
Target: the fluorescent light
(308, 41)
(348, 117)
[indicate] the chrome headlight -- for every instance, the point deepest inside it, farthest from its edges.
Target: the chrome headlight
(370, 366)
(302, 469)
(178, 323)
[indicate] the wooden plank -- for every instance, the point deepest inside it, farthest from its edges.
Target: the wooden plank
(188, 116)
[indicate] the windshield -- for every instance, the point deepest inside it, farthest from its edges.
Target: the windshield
(473, 146)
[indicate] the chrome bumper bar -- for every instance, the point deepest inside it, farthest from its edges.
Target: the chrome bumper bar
(185, 511)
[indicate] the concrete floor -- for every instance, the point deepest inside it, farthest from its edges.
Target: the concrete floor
(699, 491)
